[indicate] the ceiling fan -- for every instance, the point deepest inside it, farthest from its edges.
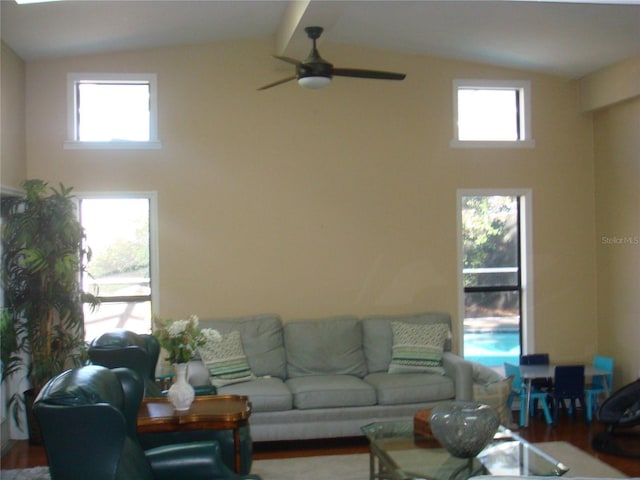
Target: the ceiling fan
(315, 72)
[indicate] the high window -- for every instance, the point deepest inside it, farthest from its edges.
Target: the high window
(112, 111)
(495, 274)
(122, 270)
(492, 113)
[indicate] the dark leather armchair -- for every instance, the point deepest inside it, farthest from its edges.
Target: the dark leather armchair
(140, 352)
(122, 348)
(88, 421)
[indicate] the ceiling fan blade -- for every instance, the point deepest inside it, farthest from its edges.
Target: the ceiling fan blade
(290, 60)
(284, 80)
(375, 74)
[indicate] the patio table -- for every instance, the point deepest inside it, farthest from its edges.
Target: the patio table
(528, 373)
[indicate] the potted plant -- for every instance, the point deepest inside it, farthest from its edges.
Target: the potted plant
(43, 258)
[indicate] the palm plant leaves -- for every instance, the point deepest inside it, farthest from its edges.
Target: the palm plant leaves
(43, 258)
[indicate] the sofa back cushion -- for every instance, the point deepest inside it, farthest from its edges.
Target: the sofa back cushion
(378, 336)
(324, 346)
(262, 341)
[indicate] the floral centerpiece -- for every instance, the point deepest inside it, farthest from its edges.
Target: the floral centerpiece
(180, 338)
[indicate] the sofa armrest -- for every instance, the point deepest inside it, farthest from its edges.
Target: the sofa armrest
(461, 372)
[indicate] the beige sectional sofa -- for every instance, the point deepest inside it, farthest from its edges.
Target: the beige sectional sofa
(322, 378)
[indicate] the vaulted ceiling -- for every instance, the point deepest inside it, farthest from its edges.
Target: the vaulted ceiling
(565, 38)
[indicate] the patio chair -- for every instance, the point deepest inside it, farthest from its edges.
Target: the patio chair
(538, 359)
(519, 389)
(599, 384)
(568, 384)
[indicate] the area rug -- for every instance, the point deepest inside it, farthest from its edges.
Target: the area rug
(36, 473)
(329, 467)
(356, 466)
(580, 464)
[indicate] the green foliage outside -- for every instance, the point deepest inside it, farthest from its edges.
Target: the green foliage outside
(119, 233)
(123, 255)
(490, 233)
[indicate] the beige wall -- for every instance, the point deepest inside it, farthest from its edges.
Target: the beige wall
(335, 201)
(13, 166)
(617, 163)
(612, 84)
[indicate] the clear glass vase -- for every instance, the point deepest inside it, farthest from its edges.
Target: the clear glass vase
(181, 393)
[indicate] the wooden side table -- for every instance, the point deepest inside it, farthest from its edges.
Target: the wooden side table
(208, 412)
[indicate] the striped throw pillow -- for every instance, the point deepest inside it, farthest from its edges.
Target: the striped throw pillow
(224, 357)
(418, 347)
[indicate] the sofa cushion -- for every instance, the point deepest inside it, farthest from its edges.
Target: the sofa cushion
(261, 339)
(400, 388)
(327, 391)
(324, 346)
(377, 337)
(418, 348)
(267, 394)
(224, 357)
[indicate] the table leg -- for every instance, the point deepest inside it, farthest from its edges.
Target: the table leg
(236, 448)
(605, 385)
(372, 465)
(528, 383)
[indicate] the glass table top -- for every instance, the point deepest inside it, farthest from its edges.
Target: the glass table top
(402, 454)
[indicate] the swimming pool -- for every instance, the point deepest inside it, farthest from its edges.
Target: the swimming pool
(492, 348)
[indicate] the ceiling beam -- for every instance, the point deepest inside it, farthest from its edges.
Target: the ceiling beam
(291, 39)
(289, 24)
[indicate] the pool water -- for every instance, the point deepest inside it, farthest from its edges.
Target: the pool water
(492, 348)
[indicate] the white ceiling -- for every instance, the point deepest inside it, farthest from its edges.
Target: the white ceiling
(565, 38)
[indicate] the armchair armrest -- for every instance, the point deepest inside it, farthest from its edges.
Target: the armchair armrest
(461, 371)
(195, 461)
(199, 390)
(205, 390)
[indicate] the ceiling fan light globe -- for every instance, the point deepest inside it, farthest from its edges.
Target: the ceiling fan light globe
(314, 83)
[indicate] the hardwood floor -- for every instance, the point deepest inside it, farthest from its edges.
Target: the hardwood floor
(574, 431)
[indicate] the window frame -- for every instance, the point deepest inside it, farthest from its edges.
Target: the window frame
(154, 256)
(527, 320)
(523, 87)
(72, 142)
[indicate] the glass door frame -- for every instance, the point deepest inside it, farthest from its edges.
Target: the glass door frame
(527, 324)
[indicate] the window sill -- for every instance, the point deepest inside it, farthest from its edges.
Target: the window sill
(492, 144)
(74, 145)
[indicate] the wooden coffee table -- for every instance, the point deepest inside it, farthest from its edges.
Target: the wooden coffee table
(208, 412)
